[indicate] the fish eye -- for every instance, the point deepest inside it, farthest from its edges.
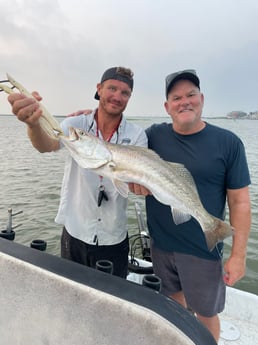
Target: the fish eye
(81, 131)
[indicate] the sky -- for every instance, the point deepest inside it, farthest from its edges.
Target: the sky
(61, 49)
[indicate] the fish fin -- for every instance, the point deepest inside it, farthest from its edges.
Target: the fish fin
(179, 217)
(121, 187)
(211, 239)
(90, 163)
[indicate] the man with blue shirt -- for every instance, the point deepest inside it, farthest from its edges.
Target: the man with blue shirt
(190, 273)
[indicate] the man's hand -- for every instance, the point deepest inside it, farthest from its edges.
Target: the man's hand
(234, 270)
(138, 189)
(25, 108)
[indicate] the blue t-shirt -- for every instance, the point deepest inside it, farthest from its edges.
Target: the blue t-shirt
(217, 161)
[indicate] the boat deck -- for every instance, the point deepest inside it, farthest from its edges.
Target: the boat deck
(239, 321)
(237, 332)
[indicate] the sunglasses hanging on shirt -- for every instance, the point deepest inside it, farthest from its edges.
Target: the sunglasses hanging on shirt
(102, 195)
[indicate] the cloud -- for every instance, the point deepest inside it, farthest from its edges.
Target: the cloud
(61, 48)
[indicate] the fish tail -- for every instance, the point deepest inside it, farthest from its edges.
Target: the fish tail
(220, 231)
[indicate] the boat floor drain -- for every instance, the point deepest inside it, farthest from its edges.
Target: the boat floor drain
(229, 331)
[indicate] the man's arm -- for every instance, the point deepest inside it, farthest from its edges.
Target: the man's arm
(80, 112)
(27, 110)
(240, 218)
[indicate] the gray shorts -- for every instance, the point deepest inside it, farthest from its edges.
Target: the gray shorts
(200, 280)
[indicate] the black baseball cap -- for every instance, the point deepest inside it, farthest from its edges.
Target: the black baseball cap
(117, 73)
(188, 74)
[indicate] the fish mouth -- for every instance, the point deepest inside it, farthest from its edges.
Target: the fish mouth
(73, 135)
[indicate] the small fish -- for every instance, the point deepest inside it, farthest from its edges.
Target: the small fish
(170, 183)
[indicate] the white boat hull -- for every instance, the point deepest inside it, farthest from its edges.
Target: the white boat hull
(48, 300)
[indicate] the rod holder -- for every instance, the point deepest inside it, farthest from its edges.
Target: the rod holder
(152, 281)
(7, 234)
(105, 266)
(39, 245)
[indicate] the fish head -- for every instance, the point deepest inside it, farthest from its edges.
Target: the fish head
(77, 134)
(87, 150)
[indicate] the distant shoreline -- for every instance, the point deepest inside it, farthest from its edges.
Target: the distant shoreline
(133, 117)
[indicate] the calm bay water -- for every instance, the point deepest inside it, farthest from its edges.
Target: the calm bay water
(31, 182)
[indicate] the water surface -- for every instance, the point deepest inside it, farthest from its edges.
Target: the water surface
(31, 181)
